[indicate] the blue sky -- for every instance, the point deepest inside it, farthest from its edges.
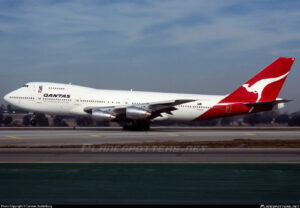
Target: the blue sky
(190, 46)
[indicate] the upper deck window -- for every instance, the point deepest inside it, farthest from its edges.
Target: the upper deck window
(56, 88)
(25, 86)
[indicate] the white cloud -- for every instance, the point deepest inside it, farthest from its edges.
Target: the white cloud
(286, 51)
(74, 26)
(129, 20)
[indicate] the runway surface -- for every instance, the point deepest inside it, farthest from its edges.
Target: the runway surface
(37, 146)
(284, 156)
(85, 137)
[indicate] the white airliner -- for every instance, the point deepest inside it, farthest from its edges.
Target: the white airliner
(137, 109)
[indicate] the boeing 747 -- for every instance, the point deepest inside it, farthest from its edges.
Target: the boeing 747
(137, 109)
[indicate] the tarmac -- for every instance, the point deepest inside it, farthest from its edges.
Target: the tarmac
(204, 155)
(36, 145)
(116, 136)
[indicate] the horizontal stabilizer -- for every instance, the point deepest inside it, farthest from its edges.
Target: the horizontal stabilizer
(266, 103)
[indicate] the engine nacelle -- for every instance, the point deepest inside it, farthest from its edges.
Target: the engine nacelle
(136, 113)
(102, 115)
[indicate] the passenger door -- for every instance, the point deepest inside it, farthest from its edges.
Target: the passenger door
(38, 92)
(228, 108)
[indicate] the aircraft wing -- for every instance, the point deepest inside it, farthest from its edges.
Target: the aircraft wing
(166, 106)
(155, 108)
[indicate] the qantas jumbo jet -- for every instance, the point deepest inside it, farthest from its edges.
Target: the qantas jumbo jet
(136, 109)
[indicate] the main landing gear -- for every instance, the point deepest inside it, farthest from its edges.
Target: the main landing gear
(137, 125)
(33, 120)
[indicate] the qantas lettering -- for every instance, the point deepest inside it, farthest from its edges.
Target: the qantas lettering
(57, 95)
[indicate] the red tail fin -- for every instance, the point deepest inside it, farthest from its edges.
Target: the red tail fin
(265, 86)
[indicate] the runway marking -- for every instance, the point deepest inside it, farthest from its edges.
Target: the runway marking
(95, 135)
(173, 134)
(250, 134)
(13, 137)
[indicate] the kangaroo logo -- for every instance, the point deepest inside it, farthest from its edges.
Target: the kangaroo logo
(40, 89)
(260, 85)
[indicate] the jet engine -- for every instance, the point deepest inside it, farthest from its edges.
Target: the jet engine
(136, 113)
(102, 115)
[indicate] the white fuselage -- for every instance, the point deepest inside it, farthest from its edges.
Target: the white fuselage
(66, 99)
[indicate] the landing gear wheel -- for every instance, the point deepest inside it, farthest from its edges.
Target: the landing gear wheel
(33, 120)
(138, 126)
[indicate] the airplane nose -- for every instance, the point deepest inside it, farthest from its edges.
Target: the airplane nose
(6, 97)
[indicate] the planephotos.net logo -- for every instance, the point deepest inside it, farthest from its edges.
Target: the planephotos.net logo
(169, 149)
(278, 206)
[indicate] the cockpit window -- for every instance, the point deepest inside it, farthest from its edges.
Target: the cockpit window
(25, 86)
